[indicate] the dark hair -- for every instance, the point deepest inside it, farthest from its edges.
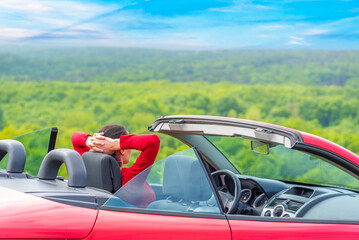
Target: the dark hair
(113, 131)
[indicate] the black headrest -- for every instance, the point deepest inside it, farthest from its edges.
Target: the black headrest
(103, 171)
(185, 179)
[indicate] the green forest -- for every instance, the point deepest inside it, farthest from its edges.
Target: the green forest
(82, 89)
(284, 67)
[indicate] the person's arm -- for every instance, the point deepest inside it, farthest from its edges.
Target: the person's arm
(78, 140)
(148, 145)
(83, 142)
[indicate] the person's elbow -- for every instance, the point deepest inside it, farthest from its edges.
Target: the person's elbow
(74, 140)
(155, 140)
(77, 140)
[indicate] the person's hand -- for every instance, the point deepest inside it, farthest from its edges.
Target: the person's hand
(94, 144)
(105, 144)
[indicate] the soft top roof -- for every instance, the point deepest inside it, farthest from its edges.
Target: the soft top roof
(168, 124)
(224, 126)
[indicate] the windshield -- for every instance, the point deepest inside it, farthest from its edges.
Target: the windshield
(36, 144)
(281, 163)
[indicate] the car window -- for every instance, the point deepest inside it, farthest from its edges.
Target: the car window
(282, 163)
(36, 146)
(177, 183)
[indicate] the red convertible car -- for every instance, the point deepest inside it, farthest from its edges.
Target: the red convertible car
(238, 179)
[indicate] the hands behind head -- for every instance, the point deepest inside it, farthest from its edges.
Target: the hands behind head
(99, 143)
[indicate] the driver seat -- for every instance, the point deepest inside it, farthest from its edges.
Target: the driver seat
(103, 171)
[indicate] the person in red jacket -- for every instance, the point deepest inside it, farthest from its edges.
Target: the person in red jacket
(116, 141)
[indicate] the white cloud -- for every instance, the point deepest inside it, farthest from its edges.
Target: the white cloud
(240, 7)
(296, 38)
(293, 42)
(48, 17)
(15, 33)
(34, 6)
(264, 36)
(343, 21)
(53, 22)
(314, 32)
(43, 6)
(264, 7)
(275, 26)
(226, 9)
(297, 41)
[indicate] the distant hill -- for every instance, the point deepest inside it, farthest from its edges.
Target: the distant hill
(281, 67)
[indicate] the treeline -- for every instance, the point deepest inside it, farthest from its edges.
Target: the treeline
(279, 67)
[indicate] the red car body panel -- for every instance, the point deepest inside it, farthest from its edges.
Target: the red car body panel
(27, 215)
(127, 225)
(330, 146)
(259, 230)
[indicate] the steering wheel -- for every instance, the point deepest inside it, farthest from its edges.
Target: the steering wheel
(230, 202)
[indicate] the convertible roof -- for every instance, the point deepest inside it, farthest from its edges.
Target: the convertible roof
(223, 126)
(220, 126)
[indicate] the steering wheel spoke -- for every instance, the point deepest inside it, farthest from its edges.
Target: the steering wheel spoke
(230, 202)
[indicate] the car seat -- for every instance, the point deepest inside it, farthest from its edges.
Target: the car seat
(103, 171)
(184, 184)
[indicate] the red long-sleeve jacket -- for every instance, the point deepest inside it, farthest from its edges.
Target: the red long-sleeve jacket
(147, 144)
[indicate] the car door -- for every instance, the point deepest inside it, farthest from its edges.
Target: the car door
(144, 224)
(328, 211)
(171, 200)
(261, 228)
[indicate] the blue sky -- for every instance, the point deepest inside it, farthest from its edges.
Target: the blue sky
(182, 24)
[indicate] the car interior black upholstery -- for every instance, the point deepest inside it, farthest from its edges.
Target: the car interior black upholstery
(103, 171)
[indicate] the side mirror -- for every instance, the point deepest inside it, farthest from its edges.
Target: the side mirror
(260, 147)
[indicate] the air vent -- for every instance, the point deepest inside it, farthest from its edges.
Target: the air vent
(276, 202)
(294, 206)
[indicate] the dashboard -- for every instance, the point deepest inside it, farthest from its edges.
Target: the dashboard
(311, 202)
(255, 192)
(271, 198)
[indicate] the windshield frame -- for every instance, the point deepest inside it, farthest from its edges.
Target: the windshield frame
(330, 157)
